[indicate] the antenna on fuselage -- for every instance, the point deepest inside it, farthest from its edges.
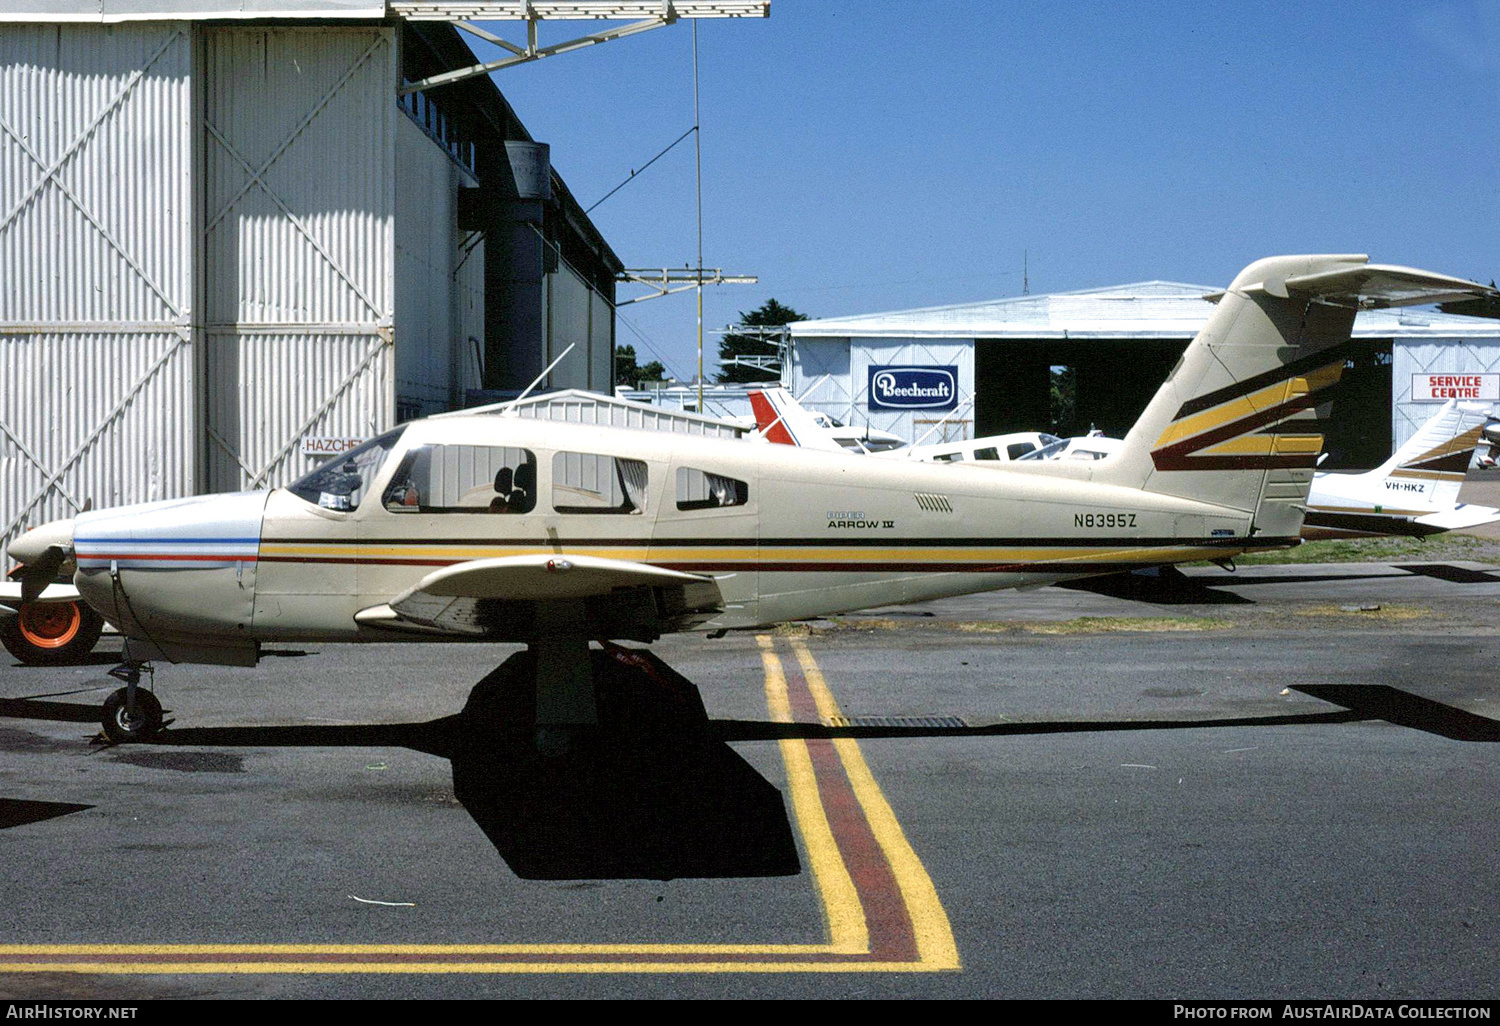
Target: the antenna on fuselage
(508, 408)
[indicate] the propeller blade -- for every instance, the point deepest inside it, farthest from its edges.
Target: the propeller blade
(38, 574)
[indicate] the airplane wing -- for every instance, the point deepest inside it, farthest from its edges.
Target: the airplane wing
(500, 598)
(10, 595)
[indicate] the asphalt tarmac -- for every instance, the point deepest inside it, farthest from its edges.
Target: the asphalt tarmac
(1253, 785)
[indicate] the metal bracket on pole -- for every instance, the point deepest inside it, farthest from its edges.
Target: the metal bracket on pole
(652, 14)
(667, 280)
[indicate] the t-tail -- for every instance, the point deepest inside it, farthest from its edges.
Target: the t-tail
(1237, 422)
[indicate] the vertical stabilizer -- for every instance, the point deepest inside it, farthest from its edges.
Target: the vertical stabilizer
(781, 419)
(1437, 458)
(1236, 423)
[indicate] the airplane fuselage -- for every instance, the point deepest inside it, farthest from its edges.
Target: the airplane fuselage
(786, 533)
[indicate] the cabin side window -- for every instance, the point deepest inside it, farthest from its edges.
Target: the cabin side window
(1018, 449)
(585, 482)
(463, 479)
(699, 489)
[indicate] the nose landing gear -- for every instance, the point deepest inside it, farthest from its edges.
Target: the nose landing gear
(131, 713)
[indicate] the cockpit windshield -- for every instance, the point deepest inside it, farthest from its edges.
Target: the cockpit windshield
(342, 482)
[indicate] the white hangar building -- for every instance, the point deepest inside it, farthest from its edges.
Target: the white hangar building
(1112, 347)
(236, 234)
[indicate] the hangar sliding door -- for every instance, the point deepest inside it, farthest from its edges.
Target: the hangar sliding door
(96, 296)
(298, 131)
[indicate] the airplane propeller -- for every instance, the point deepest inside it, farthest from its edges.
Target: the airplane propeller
(36, 575)
(42, 552)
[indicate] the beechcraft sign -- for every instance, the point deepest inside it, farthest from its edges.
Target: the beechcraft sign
(913, 388)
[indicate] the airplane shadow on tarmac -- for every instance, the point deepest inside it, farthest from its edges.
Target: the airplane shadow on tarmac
(658, 793)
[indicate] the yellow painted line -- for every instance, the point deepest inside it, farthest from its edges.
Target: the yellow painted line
(847, 925)
(182, 950)
(839, 898)
(847, 928)
(936, 947)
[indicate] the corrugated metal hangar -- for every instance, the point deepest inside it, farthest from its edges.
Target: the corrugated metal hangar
(1116, 345)
(229, 230)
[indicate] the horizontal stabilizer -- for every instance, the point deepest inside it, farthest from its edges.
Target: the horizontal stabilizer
(1459, 518)
(1375, 286)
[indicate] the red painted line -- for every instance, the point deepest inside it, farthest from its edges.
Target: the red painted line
(892, 938)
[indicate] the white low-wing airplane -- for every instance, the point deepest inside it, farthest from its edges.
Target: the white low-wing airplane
(503, 528)
(781, 419)
(1415, 492)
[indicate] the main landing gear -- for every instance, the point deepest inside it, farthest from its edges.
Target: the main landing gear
(131, 713)
(51, 633)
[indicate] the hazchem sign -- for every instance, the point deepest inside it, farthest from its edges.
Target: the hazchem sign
(317, 446)
(1439, 388)
(913, 388)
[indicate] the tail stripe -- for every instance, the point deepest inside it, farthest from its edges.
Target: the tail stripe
(1244, 433)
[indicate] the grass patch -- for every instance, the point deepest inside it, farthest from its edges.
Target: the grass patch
(1095, 625)
(1385, 612)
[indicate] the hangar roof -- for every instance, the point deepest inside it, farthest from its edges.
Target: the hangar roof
(1147, 309)
(441, 10)
(178, 10)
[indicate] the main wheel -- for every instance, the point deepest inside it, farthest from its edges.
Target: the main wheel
(51, 633)
(120, 726)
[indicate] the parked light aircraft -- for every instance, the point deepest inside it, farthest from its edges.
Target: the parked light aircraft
(1415, 492)
(503, 528)
(780, 418)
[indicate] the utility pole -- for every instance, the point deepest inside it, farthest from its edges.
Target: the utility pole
(698, 160)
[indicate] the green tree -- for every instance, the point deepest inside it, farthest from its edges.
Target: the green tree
(1487, 306)
(629, 373)
(769, 314)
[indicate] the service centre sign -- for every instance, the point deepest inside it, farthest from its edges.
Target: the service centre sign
(913, 388)
(1439, 388)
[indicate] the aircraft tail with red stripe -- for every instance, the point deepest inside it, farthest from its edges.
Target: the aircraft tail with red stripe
(781, 419)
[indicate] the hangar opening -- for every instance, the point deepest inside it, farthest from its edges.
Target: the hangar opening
(1069, 362)
(1067, 388)
(1074, 387)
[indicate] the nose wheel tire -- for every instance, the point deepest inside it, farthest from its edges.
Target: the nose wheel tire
(121, 726)
(51, 633)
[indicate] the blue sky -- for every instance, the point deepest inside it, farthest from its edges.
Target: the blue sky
(865, 156)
